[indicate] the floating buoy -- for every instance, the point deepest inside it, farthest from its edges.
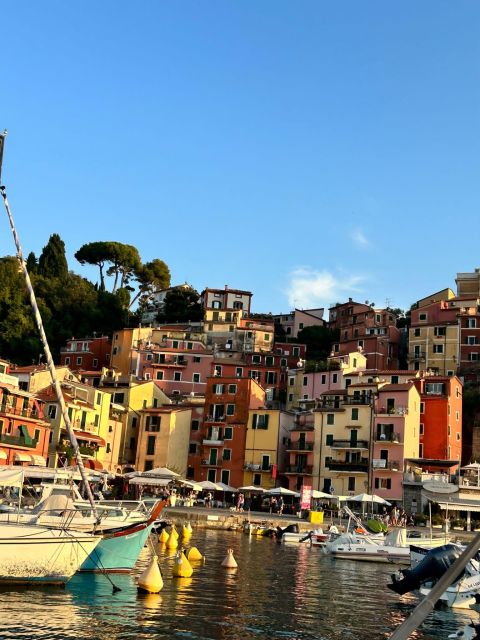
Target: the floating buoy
(172, 542)
(186, 533)
(188, 526)
(174, 532)
(163, 537)
(229, 562)
(193, 554)
(182, 567)
(151, 579)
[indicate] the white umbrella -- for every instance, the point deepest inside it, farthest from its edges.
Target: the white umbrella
(226, 488)
(190, 483)
(251, 488)
(320, 494)
(281, 491)
(365, 498)
(161, 472)
(209, 486)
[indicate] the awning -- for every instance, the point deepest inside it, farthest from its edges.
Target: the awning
(93, 464)
(91, 437)
(3, 455)
(38, 461)
(22, 457)
(11, 478)
(159, 482)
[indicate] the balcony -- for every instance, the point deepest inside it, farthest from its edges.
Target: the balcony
(7, 408)
(387, 465)
(306, 470)
(357, 400)
(348, 444)
(85, 450)
(215, 419)
(360, 466)
(211, 463)
(417, 356)
(249, 466)
(392, 411)
(388, 438)
(300, 446)
(212, 442)
(18, 441)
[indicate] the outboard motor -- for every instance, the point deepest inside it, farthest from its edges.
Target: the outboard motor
(432, 567)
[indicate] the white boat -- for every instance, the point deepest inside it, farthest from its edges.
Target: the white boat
(349, 546)
(31, 553)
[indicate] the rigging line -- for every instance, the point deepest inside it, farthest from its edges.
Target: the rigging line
(48, 355)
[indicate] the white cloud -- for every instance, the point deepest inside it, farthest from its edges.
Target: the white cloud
(308, 288)
(359, 239)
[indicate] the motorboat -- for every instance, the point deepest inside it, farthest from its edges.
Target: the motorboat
(392, 548)
(426, 569)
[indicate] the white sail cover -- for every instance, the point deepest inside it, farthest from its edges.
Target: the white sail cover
(11, 478)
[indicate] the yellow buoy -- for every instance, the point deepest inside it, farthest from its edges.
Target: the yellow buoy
(172, 542)
(189, 526)
(151, 579)
(186, 533)
(174, 532)
(182, 567)
(163, 537)
(229, 562)
(193, 554)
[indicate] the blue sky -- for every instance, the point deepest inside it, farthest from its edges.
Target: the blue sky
(307, 151)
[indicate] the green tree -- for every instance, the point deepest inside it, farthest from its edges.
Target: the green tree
(318, 340)
(31, 263)
(53, 262)
(95, 253)
(182, 304)
(124, 261)
(152, 276)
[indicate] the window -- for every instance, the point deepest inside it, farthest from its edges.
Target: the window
(148, 465)
(383, 483)
(79, 360)
(95, 363)
(300, 325)
(438, 348)
(195, 425)
(227, 454)
(153, 424)
(394, 379)
(266, 337)
(440, 331)
(52, 411)
(218, 370)
(151, 445)
(115, 351)
(159, 375)
(329, 439)
(256, 359)
(296, 351)
(238, 305)
(119, 398)
(473, 357)
(67, 360)
(458, 436)
(230, 409)
(232, 388)
(109, 449)
(335, 378)
(177, 376)
(228, 433)
(218, 389)
(470, 340)
(196, 377)
(330, 418)
(197, 359)
(421, 428)
(471, 323)
(422, 407)
(360, 344)
(189, 345)
(457, 416)
(260, 421)
(225, 476)
(175, 344)
(291, 381)
(283, 362)
(324, 378)
(355, 413)
(239, 372)
(416, 332)
(269, 361)
(96, 420)
(290, 397)
(351, 484)
(422, 317)
(132, 443)
(192, 447)
(305, 381)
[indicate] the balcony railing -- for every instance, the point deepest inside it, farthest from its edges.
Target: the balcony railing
(18, 411)
(306, 470)
(300, 446)
(348, 444)
(336, 465)
(211, 463)
(392, 411)
(85, 450)
(388, 437)
(18, 441)
(419, 355)
(213, 442)
(362, 400)
(264, 468)
(390, 465)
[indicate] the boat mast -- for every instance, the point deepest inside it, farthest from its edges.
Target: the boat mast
(43, 338)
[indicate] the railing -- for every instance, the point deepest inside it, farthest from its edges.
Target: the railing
(394, 411)
(300, 446)
(215, 419)
(64, 447)
(363, 400)
(211, 442)
(17, 411)
(390, 465)
(348, 444)
(18, 441)
(388, 437)
(420, 355)
(330, 405)
(336, 465)
(211, 463)
(306, 470)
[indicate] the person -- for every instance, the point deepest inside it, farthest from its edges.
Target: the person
(280, 505)
(240, 502)
(208, 500)
(273, 504)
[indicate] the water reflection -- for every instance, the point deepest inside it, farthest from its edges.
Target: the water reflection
(285, 592)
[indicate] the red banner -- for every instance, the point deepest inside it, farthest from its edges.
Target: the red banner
(305, 497)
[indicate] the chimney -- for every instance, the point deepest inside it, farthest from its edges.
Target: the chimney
(226, 287)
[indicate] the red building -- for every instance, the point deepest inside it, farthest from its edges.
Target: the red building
(221, 454)
(440, 418)
(370, 331)
(90, 354)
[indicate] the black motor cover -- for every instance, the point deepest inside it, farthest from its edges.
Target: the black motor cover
(432, 567)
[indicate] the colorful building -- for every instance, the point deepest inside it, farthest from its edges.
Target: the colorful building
(299, 319)
(262, 446)
(91, 354)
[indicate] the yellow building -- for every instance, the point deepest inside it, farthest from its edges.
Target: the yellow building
(133, 396)
(123, 342)
(261, 447)
(35, 378)
(89, 411)
(163, 439)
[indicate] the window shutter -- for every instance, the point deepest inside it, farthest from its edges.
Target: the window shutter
(254, 421)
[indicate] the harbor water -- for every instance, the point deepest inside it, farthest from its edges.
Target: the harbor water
(289, 592)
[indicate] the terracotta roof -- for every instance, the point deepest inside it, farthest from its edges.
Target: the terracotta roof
(397, 387)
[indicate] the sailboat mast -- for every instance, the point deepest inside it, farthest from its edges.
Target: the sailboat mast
(46, 348)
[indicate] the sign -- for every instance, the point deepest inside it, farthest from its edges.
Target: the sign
(305, 497)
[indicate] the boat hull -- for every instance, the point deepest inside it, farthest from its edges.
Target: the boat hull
(38, 555)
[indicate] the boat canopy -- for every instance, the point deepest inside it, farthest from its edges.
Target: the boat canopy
(11, 478)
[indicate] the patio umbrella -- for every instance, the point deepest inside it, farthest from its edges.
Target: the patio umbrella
(209, 486)
(281, 491)
(251, 488)
(365, 498)
(320, 494)
(226, 487)
(161, 472)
